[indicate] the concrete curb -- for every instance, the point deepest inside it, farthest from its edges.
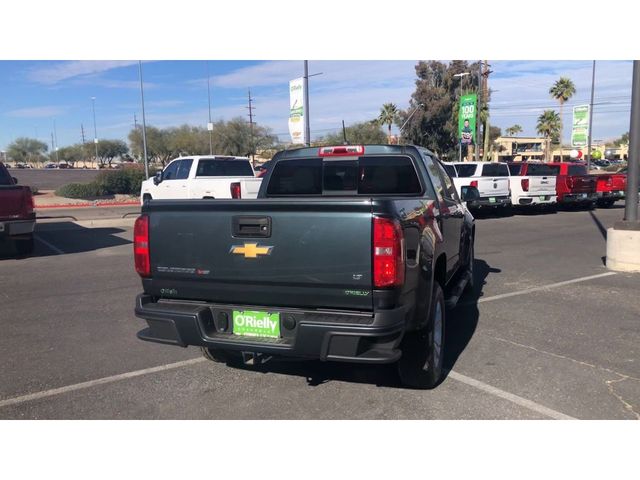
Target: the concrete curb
(60, 224)
(88, 205)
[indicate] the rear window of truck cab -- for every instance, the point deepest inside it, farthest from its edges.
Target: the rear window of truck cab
(217, 167)
(542, 170)
(366, 175)
(495, 170)
(577, 170)
(465, 169)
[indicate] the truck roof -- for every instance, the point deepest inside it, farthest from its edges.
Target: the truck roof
(211, 157)
(304, 152)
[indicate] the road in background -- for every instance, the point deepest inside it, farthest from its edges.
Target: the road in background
(524, 345)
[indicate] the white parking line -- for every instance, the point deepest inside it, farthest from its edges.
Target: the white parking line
(50, 246)
(523, 402)
(543, 287)
(99, 381)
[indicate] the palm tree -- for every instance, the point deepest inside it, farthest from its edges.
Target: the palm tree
(549, 126)
(388, 115)
(514, 130)
(562, 91)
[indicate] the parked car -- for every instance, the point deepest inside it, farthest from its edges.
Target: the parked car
(17, 216)
(532, 184)
(50, 165)
(348, 254)
(610, 187)
(573, 184)
(213, 176)
(491, 179)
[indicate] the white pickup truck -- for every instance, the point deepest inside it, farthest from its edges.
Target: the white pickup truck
(212, 176)
(491, 180)
(532, 184)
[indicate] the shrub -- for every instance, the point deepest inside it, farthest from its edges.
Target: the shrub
(80, 190)
(125, 181)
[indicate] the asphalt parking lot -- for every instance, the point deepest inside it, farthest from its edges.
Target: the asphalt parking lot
(51, 179)
(551, 333)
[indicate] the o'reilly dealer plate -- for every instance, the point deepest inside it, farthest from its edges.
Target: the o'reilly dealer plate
(256, 324)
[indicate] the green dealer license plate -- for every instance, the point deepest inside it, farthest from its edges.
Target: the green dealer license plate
(492, 199)
(256, 324)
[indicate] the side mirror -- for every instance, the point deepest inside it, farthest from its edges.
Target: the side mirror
(469, 194)
(157, 178)
(15, 180)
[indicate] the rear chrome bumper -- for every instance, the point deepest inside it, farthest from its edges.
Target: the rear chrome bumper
(487, 202)
(340, 336)
(17, 228)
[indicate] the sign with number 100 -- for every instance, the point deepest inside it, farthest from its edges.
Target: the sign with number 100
(467, 118)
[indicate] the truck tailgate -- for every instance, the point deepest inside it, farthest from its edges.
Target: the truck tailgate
(311, 253)
(542, 185)
(11, 201)
(581, 183)
(493, 187)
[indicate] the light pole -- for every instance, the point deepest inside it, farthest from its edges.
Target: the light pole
(307, 127)
(407, 120)
(209, 125)
(593, 83)
(460, 75)
(144, 124)
(95, 129)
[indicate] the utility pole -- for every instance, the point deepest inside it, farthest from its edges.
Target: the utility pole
(210, 124)
(84, 159)
(55, 134)
(486, 129)
(307, 127)
(135, 121)
(95, 129)
(593, 84)
(623, 240)
(476, 152)
(144, 124)
(344, 134)
(52, 144)
(253, 148)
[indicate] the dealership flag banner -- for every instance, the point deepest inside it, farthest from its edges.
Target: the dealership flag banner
(296, 110)
(580, 126)
(467, 119)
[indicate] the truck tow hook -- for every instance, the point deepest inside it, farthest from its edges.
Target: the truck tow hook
(255, 358)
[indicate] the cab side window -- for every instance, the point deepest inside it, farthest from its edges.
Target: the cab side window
(171, 172)
(449, 188)
(183, 169)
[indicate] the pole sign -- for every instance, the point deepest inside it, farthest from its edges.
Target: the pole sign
(467, 118)
(580, 126)
(296, 110)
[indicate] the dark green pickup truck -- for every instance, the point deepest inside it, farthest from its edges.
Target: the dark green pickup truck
(350, 253)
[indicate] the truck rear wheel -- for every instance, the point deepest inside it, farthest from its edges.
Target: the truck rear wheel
(215, 355)
(421, 364)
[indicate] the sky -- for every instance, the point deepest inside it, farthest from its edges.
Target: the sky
(35, 95)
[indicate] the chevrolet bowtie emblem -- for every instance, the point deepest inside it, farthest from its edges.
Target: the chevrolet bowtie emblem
(250, 250)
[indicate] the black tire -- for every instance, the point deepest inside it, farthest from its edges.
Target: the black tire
(25, 247)
(606, 203)
(470, 260)
(421, 364)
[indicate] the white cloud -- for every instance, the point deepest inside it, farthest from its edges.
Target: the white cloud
(50, 75)
(37, 112)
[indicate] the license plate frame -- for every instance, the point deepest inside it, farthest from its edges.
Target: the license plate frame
(256, 323)
(492, 199)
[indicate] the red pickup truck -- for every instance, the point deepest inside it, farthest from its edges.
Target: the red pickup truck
(17, 216)
(610, 187)
(574, 185)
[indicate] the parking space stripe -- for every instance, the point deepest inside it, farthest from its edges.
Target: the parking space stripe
(48, 245)
(100, 381)
(544, 287)
(523, 402)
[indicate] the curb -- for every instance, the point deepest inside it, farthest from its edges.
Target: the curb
(89, 205)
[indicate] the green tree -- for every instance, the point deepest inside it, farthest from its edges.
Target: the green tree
(158, 145)
(549, 126)
(235, 137)
(27, 150)
(513, 130)
(108, 150)
(623, 140)
(435, 124)
(388, 116)
(562, 91)
(72, 153)
(358, 133)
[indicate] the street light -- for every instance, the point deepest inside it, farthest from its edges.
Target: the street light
(463, 74)
(407, 120)
(209, 125)
(95, 129)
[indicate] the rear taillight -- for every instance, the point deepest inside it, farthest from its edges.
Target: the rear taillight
(569, 182)
(235, 190)
(525, 184)
(609, 181)
(28, 202)
(141, 246)
(388, 255)
(474, 183)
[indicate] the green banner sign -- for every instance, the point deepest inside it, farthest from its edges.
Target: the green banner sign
(467, 119)
(580, 126)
